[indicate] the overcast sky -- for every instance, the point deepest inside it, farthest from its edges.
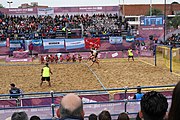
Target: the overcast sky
(64, 3)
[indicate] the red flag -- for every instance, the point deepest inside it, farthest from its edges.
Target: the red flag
(92, 42)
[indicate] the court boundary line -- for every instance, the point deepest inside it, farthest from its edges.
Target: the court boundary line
(155, 66)
(95, 75)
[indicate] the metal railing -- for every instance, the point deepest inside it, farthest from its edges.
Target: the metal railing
(114, 106)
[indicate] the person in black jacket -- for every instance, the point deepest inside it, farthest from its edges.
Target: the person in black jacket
(14, 90)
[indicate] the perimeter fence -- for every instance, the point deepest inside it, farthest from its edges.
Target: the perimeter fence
(45, 105)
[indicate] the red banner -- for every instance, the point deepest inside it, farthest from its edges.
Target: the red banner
(92, 42)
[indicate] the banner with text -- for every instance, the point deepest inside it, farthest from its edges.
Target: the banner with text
(53, 43)
(92, 42)
(74, 43)
(115, 40)
(45, 11)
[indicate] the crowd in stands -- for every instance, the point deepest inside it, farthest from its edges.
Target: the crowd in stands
(173, 40)
(153, 106)
(18, 27)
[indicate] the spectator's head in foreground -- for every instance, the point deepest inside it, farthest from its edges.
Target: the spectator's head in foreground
(153, 106)
(92, 116)
(175, 104)
(19, 116)
(104, 115)
(71, 106)
(123, 116)
(35, 118)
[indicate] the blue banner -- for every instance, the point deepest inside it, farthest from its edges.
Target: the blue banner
(37, 42)
(16, 43)
(53, 43)
(74, 43)
(2, 43)
(115, 40)
(129, 38)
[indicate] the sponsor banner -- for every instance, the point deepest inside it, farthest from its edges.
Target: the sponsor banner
(42, 112)
(16, 43)
(22, 10)
(74, 43)
(37, 42)
(20, 54)
(53, 43)
(7, 103)
(92, 42)
(155, 31)
(2, 43)
(115, 40)
(18, 60)
(129, 38)
(146, 53)
(45, 11)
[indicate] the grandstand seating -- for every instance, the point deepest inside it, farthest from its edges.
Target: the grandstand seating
(48, 27)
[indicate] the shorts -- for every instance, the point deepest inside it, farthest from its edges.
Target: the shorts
(130, 56)
(45, 78)
(94, 59)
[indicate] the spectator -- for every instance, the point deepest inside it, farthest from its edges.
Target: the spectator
(35, 118)
(123, 116)
(92, 117)
(19, 116)
(14, 90)
(175, 105)
(104, 115)
(31, 48)
(71, 107)
(138, 95)
(153, 106)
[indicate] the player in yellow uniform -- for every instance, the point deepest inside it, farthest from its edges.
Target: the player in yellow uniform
(45, 73)
(130, 54)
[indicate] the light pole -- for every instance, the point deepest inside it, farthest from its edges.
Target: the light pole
(164, 20)
(123, 8)
(150, 8)
(9, 2)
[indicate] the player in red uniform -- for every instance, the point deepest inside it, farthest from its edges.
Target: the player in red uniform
(79, 58)
(42, 60)
(51, 58)
(56, 58)
(68, 58)
(61, 58)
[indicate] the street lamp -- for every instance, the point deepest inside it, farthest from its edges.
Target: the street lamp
(150, 7)
(164, 20)
(9, 2)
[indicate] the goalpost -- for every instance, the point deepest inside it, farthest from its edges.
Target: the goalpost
(168, 57)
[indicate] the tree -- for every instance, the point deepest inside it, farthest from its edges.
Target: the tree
(1, 6)
(174, 2)
(154, 12)
(175, 22)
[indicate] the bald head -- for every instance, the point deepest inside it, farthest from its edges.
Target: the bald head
(71, 105)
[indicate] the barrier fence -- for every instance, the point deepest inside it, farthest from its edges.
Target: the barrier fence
(45, 104)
